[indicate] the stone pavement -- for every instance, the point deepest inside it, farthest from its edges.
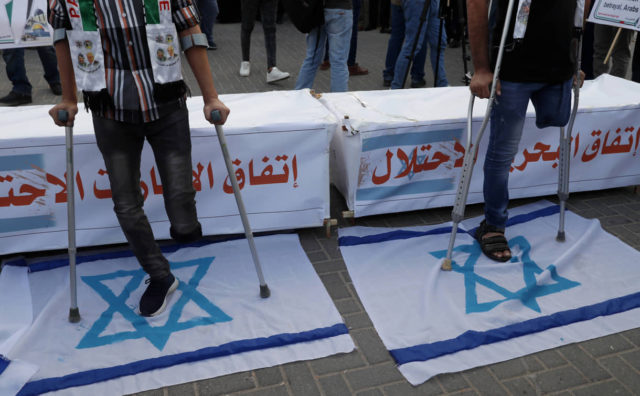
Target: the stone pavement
(604, 366)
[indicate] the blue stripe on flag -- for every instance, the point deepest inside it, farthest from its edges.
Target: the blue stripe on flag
(21, 162)
(389, 236)
(473, 339)
(525, 217)
(4, 363)
(410, 139)
(420, 187)
(64, 261)
(403, 234)
(231, 348)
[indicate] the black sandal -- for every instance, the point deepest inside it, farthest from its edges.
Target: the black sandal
(491, 245)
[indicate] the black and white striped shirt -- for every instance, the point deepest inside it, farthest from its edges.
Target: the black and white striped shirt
(128, 71)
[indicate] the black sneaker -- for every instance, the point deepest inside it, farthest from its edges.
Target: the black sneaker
(56, 88)
(418, 84)
(212, 46)
(154, 299)
(386, 83)
(15, 99)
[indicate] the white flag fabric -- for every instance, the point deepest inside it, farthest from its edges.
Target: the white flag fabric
(482, 312)
(215, 323)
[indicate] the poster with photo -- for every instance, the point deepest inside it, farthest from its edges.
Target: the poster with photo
(28, 23)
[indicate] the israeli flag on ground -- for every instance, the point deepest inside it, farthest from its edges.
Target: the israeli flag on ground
(482, 312)
(215, 323)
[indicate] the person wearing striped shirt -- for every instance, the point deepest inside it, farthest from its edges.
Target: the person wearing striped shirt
(124, 55)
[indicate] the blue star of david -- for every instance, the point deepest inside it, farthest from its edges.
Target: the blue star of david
(419, 159)
(527, 295)
(157, 335)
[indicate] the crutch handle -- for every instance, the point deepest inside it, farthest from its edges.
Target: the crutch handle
(63, 116)
(216, 116)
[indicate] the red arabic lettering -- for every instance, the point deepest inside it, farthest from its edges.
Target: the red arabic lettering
(226, 187)
(615, 146)
(210, 173)
(383, 179)
(410, 164)
(101, 194)
(197, 184)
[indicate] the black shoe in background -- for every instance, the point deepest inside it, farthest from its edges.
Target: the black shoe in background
(418, 84)
(212, 46)
(15, 99)
(56, 88)
(386, 83)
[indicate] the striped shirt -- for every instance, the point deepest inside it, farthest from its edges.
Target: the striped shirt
(128, 70)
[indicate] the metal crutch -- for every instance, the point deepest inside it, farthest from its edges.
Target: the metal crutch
(565, 133)
(471, 150)
(264, 289)
(74, 312)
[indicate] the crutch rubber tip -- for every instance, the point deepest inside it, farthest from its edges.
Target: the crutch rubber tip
(446, 264)
(74, 315)
(264, 291)
(560, 237)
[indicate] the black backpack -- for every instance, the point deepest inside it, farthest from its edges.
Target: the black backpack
(305, 14)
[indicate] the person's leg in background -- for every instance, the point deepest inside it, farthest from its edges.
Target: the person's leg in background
(621, 55)
(433, 34)
(417, 67)
(21, 91)
(385, 16)
(268, 10)
(635, 63)
(354, 68)
(208, 14)
(338, 24)
(50, 65)
(249, 13)
(414, 35)
(395, 43)
(373, 15)
(280, 13)
(603, 36)
(316, 40)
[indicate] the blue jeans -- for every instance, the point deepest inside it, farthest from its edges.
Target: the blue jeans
(395, 44)
(337, 30)
(353, 47)
(208, 14)
(14, 58)
(552, 103)
(121, 147)
(412, 10)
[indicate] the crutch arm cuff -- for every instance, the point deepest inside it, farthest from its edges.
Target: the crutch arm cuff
(193, 40)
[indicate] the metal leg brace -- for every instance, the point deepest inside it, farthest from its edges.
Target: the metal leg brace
(264, 289)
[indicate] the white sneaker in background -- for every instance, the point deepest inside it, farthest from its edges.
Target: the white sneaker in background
(245, 68)
(276, 75)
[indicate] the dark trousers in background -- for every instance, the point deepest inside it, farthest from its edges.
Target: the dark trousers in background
(208, 13)
(268, 10)
(17, 73)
